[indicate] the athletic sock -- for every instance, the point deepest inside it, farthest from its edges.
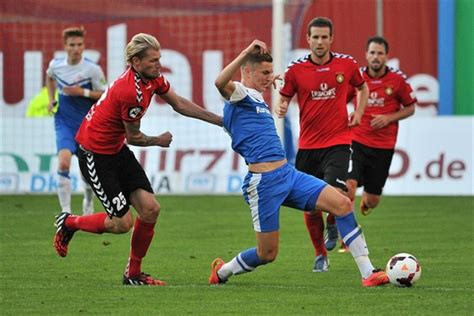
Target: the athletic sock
(142, 236)
(64, 191)
(244, 262)
(315, 226)
(352, 236)
(94, 223)
(88, 199)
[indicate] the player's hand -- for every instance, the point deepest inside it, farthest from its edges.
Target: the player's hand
(282, 109)
(257, 47)
(355, 118)
(165, 139)
(379, 121)
(51, 106)
(74, 91)
(275, 79)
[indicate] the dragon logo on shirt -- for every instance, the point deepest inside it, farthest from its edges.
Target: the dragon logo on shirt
(134, 112)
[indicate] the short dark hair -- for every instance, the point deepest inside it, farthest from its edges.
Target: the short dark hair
(73, 32)
(258, 58)
(320, 22)
(379, 40)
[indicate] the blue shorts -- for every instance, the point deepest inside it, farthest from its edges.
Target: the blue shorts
(65, 135)
(266, 192)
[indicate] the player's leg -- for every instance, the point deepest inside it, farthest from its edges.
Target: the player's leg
(88, 200)
(64, 180)
(138, 191)
(101, 172)
(307, 161)
(148, 210)
(264, 193)
(375, 176)
(335, 165)
(330, 199)
(247, 260)
(66, 146)
(368, 202)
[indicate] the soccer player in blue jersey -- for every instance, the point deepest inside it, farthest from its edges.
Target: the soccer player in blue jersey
(271, 181)
(80, 82)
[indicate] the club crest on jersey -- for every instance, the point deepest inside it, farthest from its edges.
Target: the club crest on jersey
(388, 90)
(340, 78)
(134, 112)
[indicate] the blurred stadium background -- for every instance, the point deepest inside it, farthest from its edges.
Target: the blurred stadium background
(430, 41)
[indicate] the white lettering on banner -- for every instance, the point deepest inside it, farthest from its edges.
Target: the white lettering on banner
(425, 86)
(202, 161)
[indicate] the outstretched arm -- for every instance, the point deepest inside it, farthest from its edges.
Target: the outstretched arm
(188, 108)
(224, 80)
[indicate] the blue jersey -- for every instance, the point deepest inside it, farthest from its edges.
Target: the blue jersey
(85, 74)
(248, 120)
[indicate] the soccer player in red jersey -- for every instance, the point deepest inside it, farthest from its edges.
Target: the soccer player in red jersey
(391, 99)
(321, 81)
(110, 167)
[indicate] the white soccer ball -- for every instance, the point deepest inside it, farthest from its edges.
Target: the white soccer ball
(403, 270)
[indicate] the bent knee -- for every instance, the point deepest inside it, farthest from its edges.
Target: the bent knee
(344, 206)
(123, 225)
(372, 202)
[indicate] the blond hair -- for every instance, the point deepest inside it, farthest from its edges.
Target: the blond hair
(139, 44)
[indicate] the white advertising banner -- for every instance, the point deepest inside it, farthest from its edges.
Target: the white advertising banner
(434, 156)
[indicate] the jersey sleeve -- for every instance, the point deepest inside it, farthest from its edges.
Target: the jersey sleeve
(407, 95)
(239, 93)
(356, 77)
(98, 79)
(289, 85)
(162, 85)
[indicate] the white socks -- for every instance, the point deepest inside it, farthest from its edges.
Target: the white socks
(64, 191)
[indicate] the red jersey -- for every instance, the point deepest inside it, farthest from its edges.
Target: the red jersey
(387, 95)
(126, 99)
(321, 91)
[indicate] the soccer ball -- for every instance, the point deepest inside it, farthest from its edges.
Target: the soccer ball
(403, 270)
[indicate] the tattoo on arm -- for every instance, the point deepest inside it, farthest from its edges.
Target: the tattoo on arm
(136, 137)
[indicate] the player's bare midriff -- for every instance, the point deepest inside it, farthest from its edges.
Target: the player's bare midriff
(266, 166)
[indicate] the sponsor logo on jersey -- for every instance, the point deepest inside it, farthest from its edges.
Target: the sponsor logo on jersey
(134, 112)
(323, 93)
(388, 90)
(262, 110)
(374, 100)
(340, 78)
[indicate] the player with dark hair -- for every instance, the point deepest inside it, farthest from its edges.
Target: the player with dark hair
(80, 83)
(321, 81)
(271, 181)
(111, 168)
(391, 99)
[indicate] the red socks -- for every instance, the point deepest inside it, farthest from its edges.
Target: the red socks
(94, 223)
(315, 225)
(142, 236)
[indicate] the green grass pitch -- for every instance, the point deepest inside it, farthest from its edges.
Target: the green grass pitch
(192, 230)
